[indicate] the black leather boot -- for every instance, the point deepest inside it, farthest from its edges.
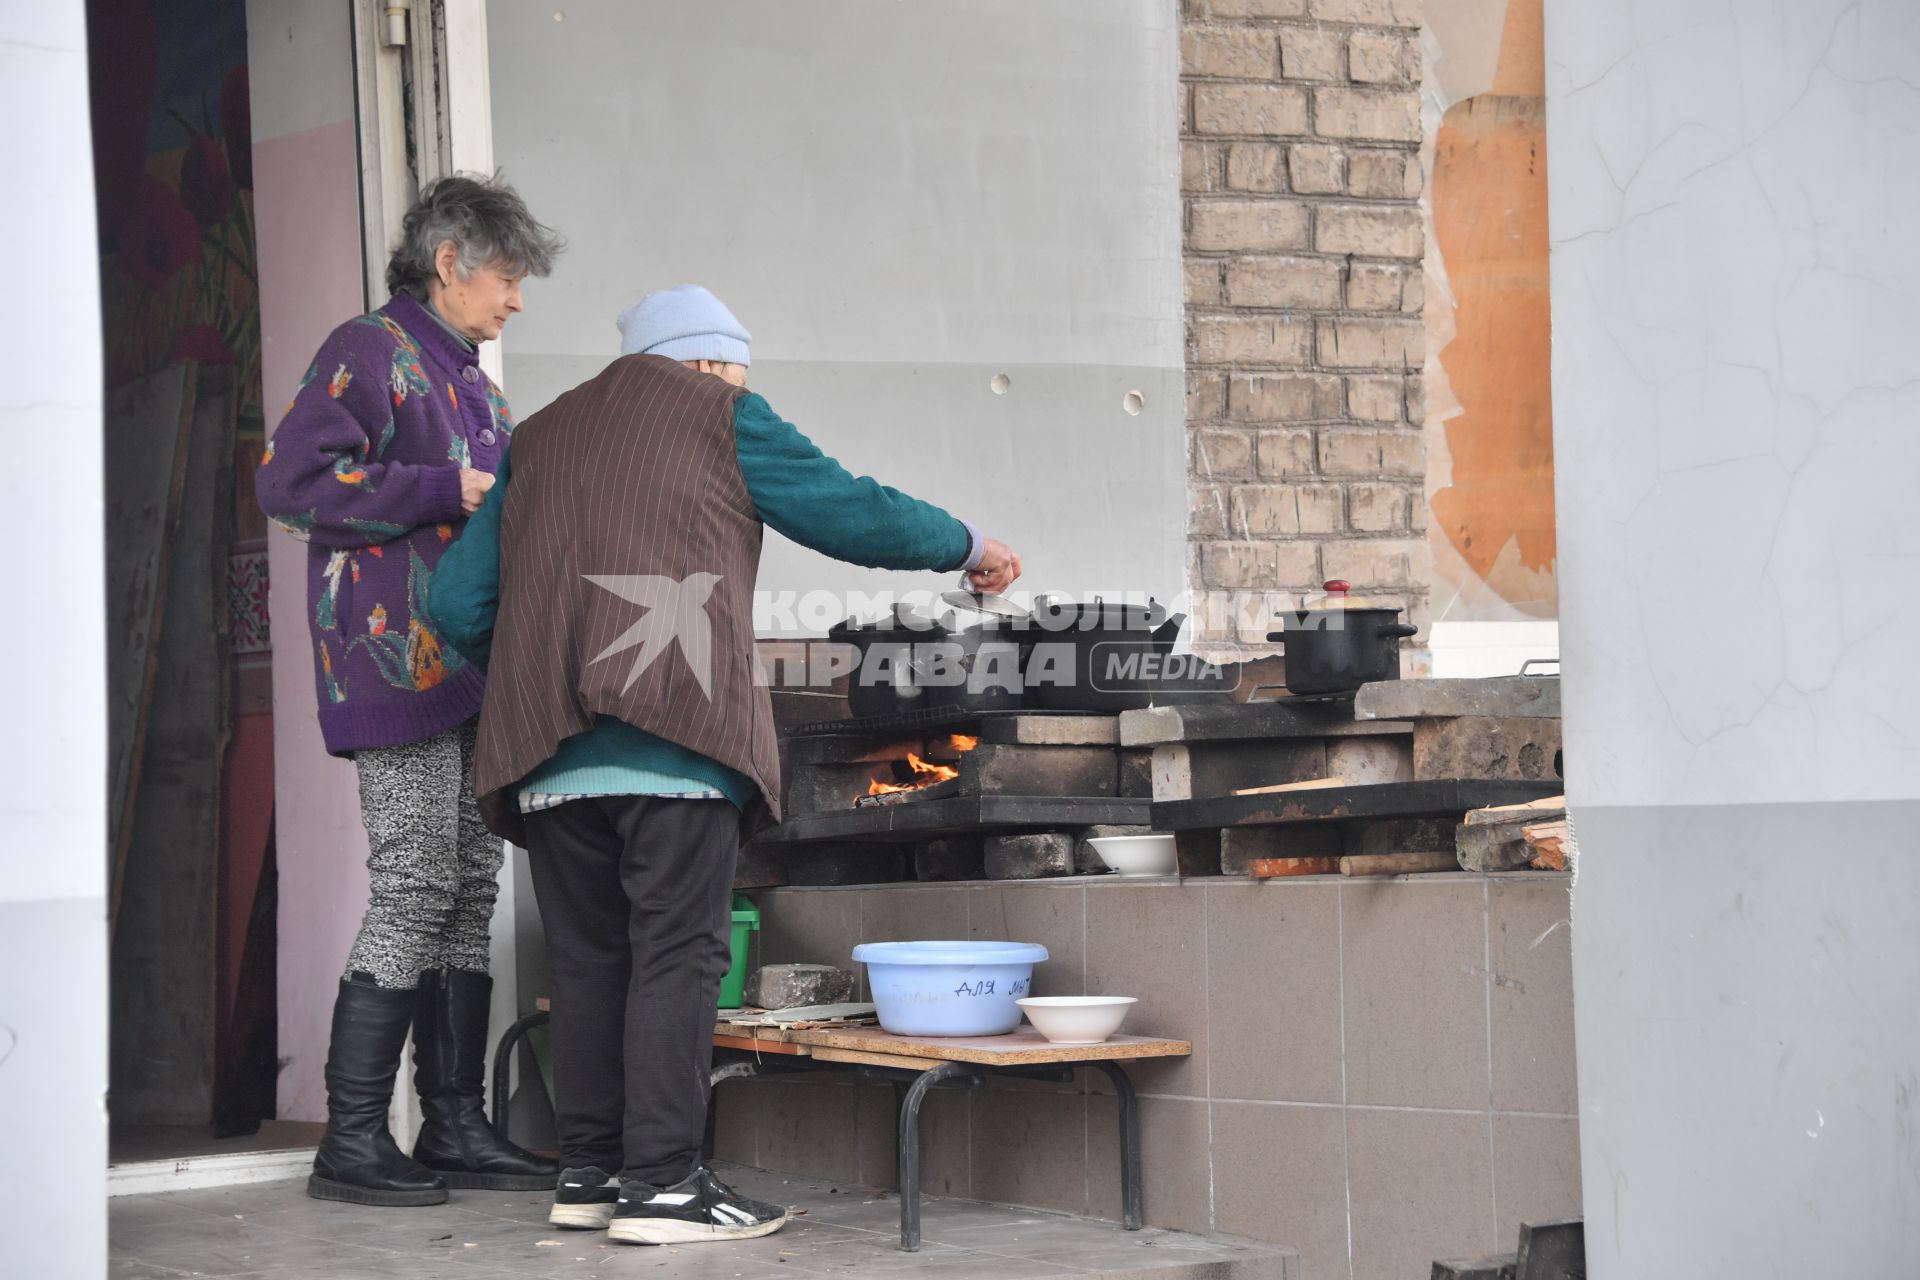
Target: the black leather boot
(449, 1068)
(358, 1161)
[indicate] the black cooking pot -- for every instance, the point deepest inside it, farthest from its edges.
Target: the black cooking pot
(1339, 647)
(912, 665)
(1098, 656)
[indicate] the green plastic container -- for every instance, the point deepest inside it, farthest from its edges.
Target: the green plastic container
(746, 920)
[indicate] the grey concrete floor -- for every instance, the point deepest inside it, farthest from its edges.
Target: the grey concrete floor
(273, 1230)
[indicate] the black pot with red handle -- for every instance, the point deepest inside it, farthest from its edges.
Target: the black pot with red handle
(1337, 647)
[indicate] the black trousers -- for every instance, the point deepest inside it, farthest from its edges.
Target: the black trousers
(635, 893)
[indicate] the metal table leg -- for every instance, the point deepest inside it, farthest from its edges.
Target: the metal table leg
(910, 1148)
(1132, 1199)
(503, 1064)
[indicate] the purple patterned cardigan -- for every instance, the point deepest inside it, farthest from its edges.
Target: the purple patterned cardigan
(365, 468)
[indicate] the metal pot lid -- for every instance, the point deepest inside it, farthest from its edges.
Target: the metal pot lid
(995, 605)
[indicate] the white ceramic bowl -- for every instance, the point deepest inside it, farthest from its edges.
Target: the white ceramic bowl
(1138, 855)
(1076, 1019)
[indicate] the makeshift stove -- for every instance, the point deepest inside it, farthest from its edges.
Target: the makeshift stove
(918, 794)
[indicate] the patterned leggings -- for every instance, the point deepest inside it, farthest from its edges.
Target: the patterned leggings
(432, 862)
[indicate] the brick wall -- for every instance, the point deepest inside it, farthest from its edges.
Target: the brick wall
(1301, 183)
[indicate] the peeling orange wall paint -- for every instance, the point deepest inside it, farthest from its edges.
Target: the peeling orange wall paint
(1489, 208)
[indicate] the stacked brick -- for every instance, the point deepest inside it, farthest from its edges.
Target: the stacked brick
(1301, 182)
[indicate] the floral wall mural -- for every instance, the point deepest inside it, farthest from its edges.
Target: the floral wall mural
(173, 160)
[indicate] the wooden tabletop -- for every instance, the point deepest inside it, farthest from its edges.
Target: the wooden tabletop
(1019, 1048)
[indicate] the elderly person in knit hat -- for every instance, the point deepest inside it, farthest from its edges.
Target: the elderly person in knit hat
(389, 443)
(608, 585)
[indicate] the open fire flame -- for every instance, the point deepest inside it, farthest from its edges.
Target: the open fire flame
(925, 774)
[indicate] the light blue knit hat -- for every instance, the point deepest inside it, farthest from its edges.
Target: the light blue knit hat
(685, 322)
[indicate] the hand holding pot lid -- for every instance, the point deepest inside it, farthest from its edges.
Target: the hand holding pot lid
(998, 567)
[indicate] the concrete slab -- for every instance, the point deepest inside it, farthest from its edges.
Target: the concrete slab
(272, 1229)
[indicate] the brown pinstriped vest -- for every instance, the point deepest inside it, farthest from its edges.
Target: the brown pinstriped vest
(628, 552)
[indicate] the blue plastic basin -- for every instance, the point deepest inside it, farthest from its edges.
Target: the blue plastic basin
(949, 988)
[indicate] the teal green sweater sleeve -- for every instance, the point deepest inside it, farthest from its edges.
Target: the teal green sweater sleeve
(463, 595)
(807, 496)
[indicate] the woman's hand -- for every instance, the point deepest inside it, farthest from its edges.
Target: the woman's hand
(999, 566)
(473, 488)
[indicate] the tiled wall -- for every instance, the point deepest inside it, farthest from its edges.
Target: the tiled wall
(1382, 1070)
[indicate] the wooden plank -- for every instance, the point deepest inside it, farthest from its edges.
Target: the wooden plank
(148, 425)
(1397, 864)
(1432, 798)
(861, 1057)
(1022, 1047)
(1280, 868)
(1311, 784)
(1548, 841)
(755, 1045)
(1534, 810)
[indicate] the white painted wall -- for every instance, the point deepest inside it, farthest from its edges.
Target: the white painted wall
(53, 938)
(899, 201)
(1736, 388)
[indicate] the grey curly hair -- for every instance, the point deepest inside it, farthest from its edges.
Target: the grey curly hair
(487, 222)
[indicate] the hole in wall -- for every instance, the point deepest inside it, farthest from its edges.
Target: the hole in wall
(1133, 403)
(1001, 384)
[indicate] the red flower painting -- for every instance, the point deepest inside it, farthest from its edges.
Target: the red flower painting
(160, 236)
(206, 185)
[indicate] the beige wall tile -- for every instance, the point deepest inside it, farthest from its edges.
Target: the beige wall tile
(1422, 1187)
(809, 926)
(1273, 991)
(1030, 1149)
(1053, 916)
(808, 1128)
(1531, 934)
(913, 915)
(1536, 1173)
(1279, 1175)
(1173, 1137)
(1414, 959)
(1150, 942)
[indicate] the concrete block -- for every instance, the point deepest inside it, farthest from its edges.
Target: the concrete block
(1487, 747)
(1421, 699)
(1240, 846)
(1052, 731)
(1030, 857)
(992, 769)
(1086, 859)
(1381, 836)
(1136, 775)
(1248, 225)
(1317, 169)
(1372, 115)
(1227, 53)
(1258, 110)
(1193, 770)
(1284, 340)
(1370, 759)
(1257, 166)
(798, 986)
(1384, 175)
(1370, 231)
(950, 858)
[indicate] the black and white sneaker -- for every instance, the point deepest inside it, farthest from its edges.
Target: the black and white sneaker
(584, 1198)
(699, 1207)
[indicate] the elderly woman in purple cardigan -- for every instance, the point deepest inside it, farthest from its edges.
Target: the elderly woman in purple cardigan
(389, 444)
